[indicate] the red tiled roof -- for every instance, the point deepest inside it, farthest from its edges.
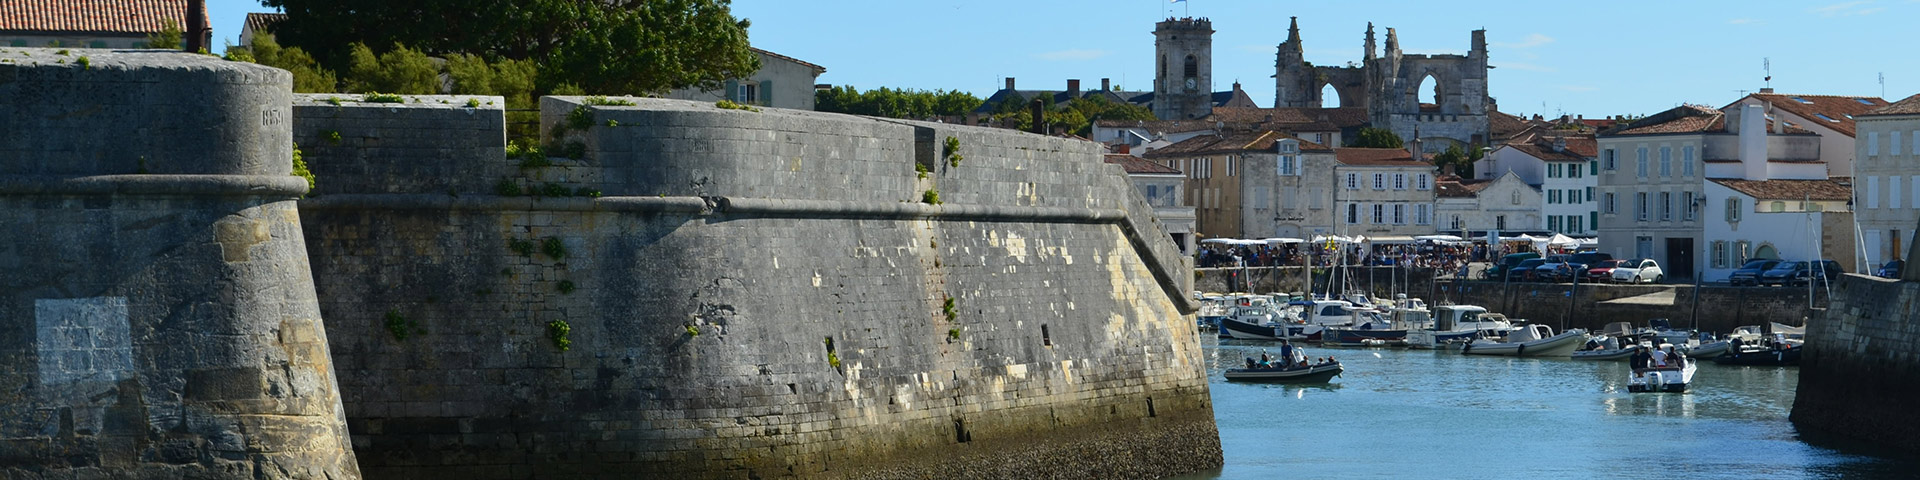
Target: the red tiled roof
(1829, 190)
(261, 22)
(1231, 143)
(1158, 126)
(1839, 110)
(816, 68)
(1546, 153)
(93, 16)
(1292, 118)
(1909, 106)
(1503, 126)
(1140, 166)
(1377, 157)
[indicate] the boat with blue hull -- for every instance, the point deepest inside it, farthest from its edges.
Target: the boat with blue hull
(1315, 373)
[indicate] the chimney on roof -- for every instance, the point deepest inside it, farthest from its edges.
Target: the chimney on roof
(1038, 110)
(1123, 148)
(1766, 89)
(1009, 83)
(1580, 117)
(1559, 144)
(1753, 142)
(1446, 170)
(1073, 88)
(1106, 84)
(196, 32)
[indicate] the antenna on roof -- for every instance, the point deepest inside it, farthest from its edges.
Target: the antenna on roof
(1743, 92)
(1883, 84)
(1767, 64)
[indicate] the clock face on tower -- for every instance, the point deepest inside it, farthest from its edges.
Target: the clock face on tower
(1191, 83)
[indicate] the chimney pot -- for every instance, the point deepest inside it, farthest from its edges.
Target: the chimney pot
(1766, 89)
(1009, 83)
(1106, 84)
(1073, 88)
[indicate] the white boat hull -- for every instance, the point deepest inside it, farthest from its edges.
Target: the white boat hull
(1662, 379)
(1615, 354)
(1561, 345)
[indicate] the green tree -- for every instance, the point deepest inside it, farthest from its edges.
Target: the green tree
(400, 70)
(1370, 137)
(1461, 160)
(886, 102)
(308, 76)
(167, 38)
(602, 46)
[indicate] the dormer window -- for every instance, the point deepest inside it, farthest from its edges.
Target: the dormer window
(1802, 100)
(1825, 117)
(1863, 101)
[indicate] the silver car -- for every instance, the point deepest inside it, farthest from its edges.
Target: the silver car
(1638, 270)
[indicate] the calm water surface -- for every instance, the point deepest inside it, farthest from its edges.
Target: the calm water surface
(1426, 414)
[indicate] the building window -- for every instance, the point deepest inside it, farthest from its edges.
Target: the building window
(1873, 143)
(1666, 206)
(1516, 198)
(1575, 220)
(1733, 210)
(1287, 167)
(1589, 196)
(1777, 206)
(1873, 192)
(1553, 170)
(1553, 197)
(1379, 214)
(1399, 181)
(1399, 214)
(1500, 222)
(1593, 220)
(1640, 163)
(1893, 143)
(1666, 161)
(1424, 182)
(1606, 156)
(1353, 213)
(1687, 206)
(1353, 181)
(1610, 204)
(1573, 170)
(1686, 161)
(1420, 214)
(1553, 223)
(1719, 254)
(1593, 167)
(747, 93)
(1640, 205)
(1742, 250)
(1379, 181)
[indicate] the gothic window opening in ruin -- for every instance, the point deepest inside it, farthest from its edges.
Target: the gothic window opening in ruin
(1191, 71)
(1330, 97)
(1429, 94)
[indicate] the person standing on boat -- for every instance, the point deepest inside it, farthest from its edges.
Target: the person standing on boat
(1286, 353)
(1659, 357)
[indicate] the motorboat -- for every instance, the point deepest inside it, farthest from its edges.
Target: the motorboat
(1257, 320)
(1313, 373)
(1663, 379)
(1606, 347)
(1457, 324)
(1744, 335)
(1530, 341)
(1778, 355)
(1213, 307)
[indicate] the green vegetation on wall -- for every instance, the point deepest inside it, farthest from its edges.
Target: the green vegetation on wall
(885, 102)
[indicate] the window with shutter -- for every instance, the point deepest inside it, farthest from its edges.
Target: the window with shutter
(766, 93)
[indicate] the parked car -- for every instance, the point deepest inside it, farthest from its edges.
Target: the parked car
(1749, 274)
(1801, 273)
(1891, 269)
(1579, 264)
(1603, 271)
(1509, 261)
(1551, 263)
(1524, 271)
(1639, 270)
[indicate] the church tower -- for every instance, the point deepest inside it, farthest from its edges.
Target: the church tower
(1294, 81)
(1183, 79)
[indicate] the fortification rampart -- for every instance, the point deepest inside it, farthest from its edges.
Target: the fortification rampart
(1862, 367)
(751, 293)
(157, 317)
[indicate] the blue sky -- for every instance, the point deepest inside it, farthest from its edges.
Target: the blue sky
(1590, 58)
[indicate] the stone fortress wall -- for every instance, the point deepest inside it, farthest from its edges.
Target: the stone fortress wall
(157, 313)
(744, 294)
(1861, 367)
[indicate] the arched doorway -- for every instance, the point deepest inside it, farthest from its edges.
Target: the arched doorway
(1330, 97)
(1766, 251)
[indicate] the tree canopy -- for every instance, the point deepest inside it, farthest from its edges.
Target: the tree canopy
(1370, 137)
(885, 102)
(1076, 116)
(603, 46)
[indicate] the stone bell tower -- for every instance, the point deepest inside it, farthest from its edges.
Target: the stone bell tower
(1183, 77)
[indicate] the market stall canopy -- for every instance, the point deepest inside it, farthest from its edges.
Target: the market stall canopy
(1283, 241)
(1390, 240)
(1438, 238)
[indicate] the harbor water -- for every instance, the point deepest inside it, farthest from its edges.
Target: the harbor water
(1399, 413)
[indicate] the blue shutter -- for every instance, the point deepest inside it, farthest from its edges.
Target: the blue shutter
(732, 91)
(766, 93)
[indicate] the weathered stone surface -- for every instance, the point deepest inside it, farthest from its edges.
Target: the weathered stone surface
(1859, 373)
(157, 315)
(727, 249)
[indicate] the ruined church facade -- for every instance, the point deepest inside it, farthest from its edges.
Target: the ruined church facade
(1387, 85)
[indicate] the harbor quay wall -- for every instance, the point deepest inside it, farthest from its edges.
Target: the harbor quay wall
(157, 314)
(1720, 308)
(701, 292)
(1861, 368)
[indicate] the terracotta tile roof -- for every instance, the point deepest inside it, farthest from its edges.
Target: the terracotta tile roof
(263, 22)
(1237, 142)
(1909, 106)
(1140, 166)
(816, 68)
(1503, 126)
(1546, 153)
(1157, 126)
(1454, 188)
(1291, 118)
(1377, 157)
(1838, 110)
(1830, 190)
(1690, 119)
(93, 16)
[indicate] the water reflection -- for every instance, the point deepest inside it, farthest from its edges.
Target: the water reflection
(1548, 417)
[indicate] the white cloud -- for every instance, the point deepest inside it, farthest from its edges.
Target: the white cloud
(1746, 21)
(1072, 55)
(1577, 88)
(1527, 67)
(1847, 9)
(1532, 40)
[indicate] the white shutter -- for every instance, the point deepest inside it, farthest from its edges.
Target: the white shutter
(1873, 192)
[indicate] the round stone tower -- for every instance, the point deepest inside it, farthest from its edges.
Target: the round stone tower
(1183, 78)
(157, 313)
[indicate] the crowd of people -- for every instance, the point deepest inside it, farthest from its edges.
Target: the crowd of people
(1442, 256)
